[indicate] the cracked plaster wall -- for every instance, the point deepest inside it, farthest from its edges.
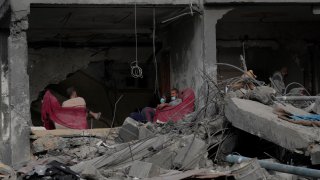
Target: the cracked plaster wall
(52, 65)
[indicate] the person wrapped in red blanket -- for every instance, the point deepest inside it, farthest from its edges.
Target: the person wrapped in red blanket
(148, 112)
(72, 114)
(176, 113)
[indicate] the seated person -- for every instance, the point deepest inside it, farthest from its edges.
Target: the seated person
(148, 112)
(75, 101)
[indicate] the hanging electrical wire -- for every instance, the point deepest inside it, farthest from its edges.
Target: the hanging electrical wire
(156, 83)
(180, 15)
(136, 70)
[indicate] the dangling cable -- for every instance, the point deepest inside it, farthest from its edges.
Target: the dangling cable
(136, 71)
(156, 82)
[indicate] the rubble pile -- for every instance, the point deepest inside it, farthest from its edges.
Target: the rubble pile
(136, 150)
(133, 150)
(194, 147)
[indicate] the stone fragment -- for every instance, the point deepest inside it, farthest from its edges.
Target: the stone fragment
(131, 121)
(144, 133)
(49, 143)
(262, 94)
(7, 173)
(163, 159)
(129, 132)
(85, 152)
(141, 169)
(189, 155)
(90, 172)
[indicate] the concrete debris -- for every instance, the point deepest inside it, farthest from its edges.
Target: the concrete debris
(194, 147)
(92, 173)
(259, 119)
(7, 173)
(164, 158)
(49, 143)
(133, 130)
(84, 152)
(262, 94)
(254, 164)
(144, 133)
(129, 132)
(250, 170)
(141, 169)
(190, 152)
(52, 170)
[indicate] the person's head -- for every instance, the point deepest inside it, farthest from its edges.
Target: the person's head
(174, 93)
(163, 99)
(72, 92)
(284, 71)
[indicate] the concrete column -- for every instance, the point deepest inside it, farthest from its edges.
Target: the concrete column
(210, 18)
(15, 105)
(18, 90)
(5, 150)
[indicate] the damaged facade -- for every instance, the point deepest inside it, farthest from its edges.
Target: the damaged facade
(55, 44)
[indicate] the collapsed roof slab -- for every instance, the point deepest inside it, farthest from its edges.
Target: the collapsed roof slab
(117, 2)
(259, 120)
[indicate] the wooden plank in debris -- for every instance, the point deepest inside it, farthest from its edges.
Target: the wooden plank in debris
(100, 132)
(259, 120)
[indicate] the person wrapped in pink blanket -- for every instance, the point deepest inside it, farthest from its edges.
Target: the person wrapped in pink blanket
(177, 112)
(72, 114)
(148, 112)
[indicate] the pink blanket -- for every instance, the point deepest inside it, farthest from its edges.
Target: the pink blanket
(71, 117)
(175, 113)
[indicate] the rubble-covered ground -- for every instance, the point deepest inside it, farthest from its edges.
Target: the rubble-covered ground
(193, 148)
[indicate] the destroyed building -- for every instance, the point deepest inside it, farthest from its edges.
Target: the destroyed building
(92, 45)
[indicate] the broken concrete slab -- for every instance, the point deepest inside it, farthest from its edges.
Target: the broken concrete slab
(129, 132)
(145, 133)
(189, 155)
(131, 121)
(258, 119)
(92, 173)
(135, 151)
(141, 169)
(164, 158)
